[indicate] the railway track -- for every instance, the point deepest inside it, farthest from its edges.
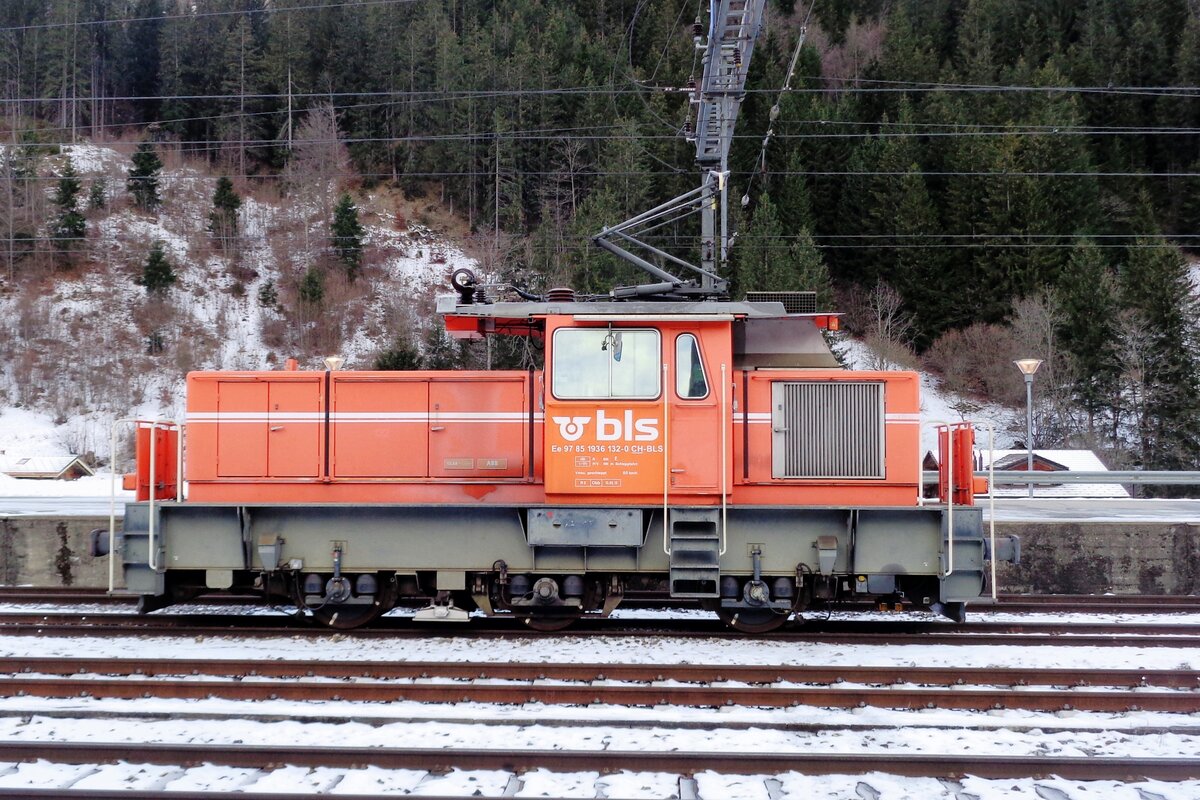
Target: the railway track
(608, 684)
(1010, 603)
(607, 761)
(684, 673)
(648, 686)
(839, 631)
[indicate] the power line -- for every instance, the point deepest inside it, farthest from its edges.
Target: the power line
(204, 14)
(434, 174)
(980, 239)
(905, 130)
(1185, 92)
(399, 94)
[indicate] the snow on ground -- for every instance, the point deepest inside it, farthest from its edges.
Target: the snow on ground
(30, 433)
(564, 648)
(537, 726)
(541, 783)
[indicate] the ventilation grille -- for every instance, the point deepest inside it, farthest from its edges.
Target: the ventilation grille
(793, 302)
(827, 430)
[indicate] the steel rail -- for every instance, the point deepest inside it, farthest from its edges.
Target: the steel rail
(1015, 603)
(523, 693)
(908, 764)
(657, 627)
(682, 673)
(1087, 637)
(1165, 604)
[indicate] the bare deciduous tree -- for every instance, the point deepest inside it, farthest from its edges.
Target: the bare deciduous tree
(1035, 325)
(319, 161)
(886, 327)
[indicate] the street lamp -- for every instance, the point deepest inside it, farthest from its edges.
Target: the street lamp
(1028, 366)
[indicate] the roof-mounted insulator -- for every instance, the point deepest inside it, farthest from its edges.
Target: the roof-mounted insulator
(560, 294)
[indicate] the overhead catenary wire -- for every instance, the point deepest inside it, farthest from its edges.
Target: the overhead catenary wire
(274, 9)
(1183, 92)
(592, 173)
(761, 162)
(577, 134)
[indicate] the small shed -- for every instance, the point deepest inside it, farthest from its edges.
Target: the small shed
(53, 468)
(1050, 461)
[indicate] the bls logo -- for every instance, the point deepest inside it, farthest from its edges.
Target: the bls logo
(609, 429)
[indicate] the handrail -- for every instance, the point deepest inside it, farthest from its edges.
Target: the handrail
(725, 425)
(112, 493)
(150, 555)
(937, 426)
(991, 495)
(112, 501)
(666, 427)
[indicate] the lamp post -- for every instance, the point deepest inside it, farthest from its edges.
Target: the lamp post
(1028, 366)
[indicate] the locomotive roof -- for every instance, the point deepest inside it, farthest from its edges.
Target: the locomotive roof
(766, 334)
(447, 304)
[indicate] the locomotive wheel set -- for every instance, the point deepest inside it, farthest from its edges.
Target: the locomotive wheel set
(676, 446)
(707, 453)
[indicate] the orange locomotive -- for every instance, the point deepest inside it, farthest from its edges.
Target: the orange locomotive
(705, 452)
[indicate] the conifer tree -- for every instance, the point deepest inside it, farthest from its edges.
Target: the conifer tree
(70, 227)
(1156, 284)
(223, 219)
(399, 357)
(347, 235)
(804, 270)
(312, 287)
(1089, 333)
(98, 194)
(768, 259)
(268, 295)
(157, 274)
(795, 203)
(143, 177)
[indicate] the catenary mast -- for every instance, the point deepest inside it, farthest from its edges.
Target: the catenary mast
(727, 46)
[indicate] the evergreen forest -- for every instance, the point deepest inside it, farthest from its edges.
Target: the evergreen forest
(971, 181)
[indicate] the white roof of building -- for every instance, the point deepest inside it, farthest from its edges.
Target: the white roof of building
(38, 465)
(1073, 460)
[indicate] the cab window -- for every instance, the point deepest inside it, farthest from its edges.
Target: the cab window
(690, 381)
(605, 363)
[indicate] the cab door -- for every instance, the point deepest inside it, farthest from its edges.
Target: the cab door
(698, 425)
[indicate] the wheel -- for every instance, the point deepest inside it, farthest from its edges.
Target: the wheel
(342, 617)
(753, 620)
(346, 616)
(548, 624)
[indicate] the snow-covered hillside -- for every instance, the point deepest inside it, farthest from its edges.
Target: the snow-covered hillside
(83, 345)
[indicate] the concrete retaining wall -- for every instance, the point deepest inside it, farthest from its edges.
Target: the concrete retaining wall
(50, 551)
(1096, 557)
(1056, 558)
